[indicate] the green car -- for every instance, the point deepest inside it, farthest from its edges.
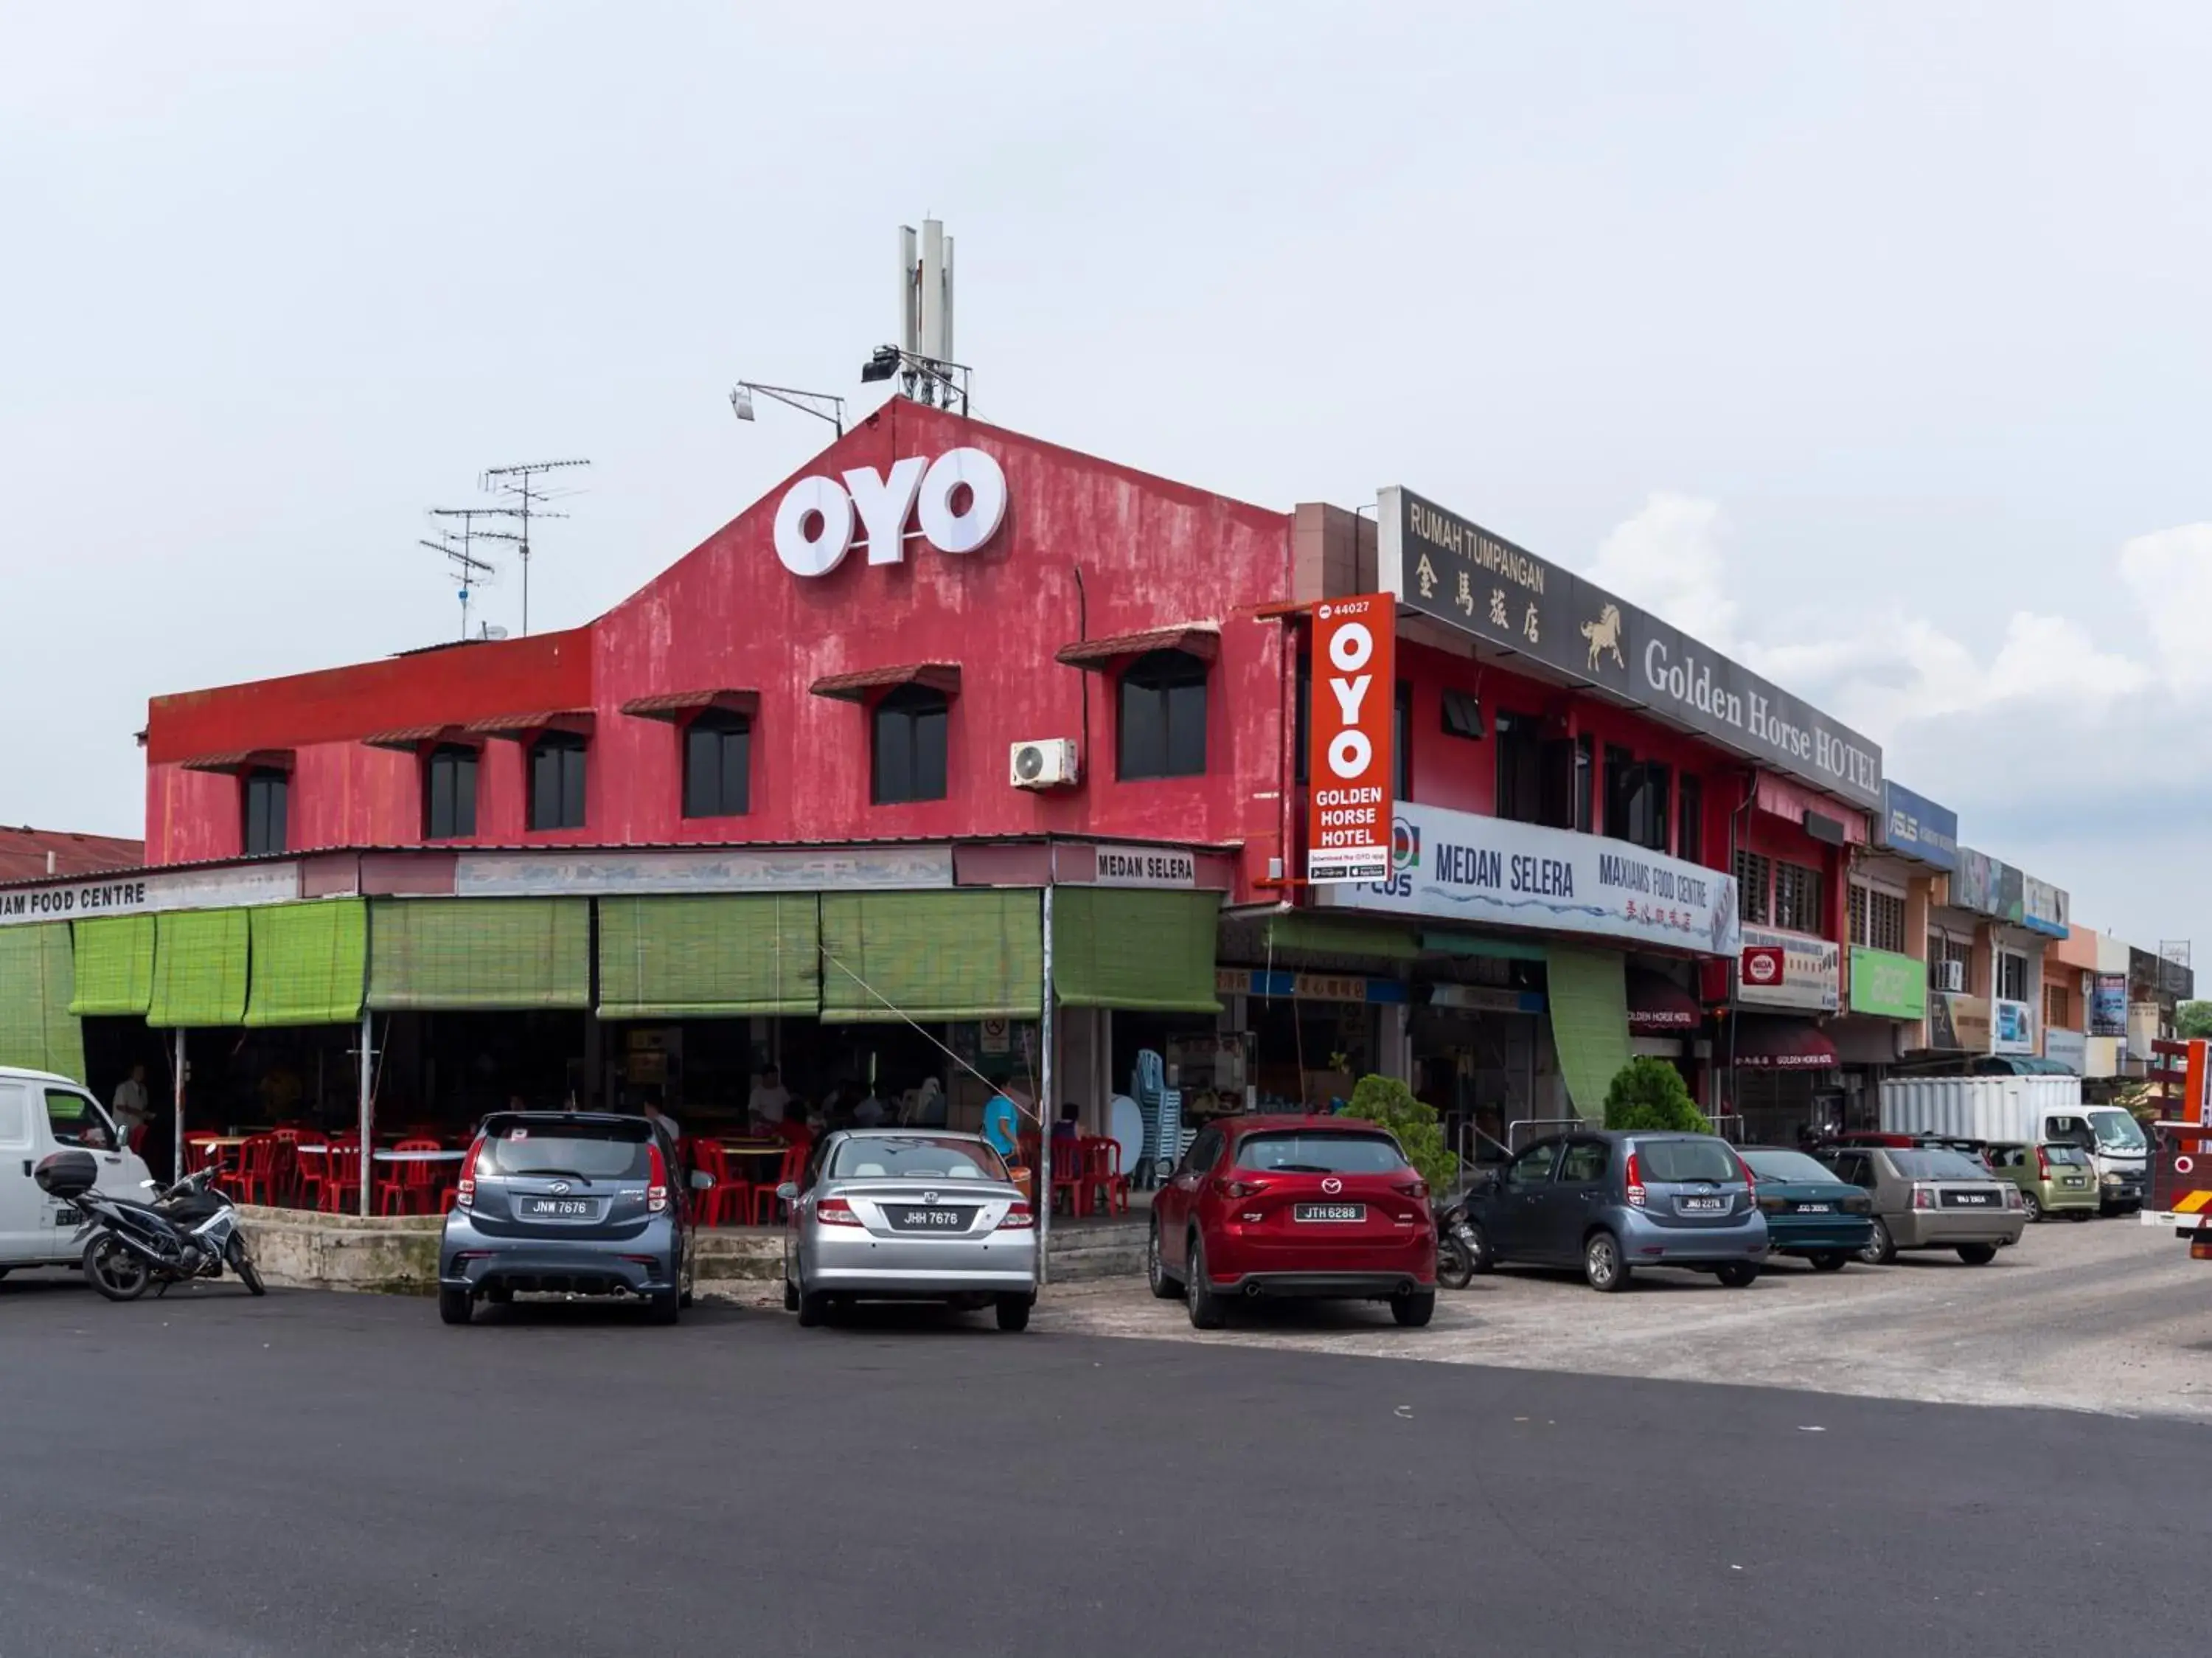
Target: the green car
(1809, 1212)
(2053, 1178)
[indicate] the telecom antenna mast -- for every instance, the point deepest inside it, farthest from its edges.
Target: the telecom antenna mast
(922, 360)
(525, 499)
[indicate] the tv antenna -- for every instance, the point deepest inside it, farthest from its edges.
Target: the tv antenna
(526, 498)
(472, 571)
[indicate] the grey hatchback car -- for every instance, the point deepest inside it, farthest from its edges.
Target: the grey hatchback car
(909, 1215)
(1610, 1203)
(576, 1202)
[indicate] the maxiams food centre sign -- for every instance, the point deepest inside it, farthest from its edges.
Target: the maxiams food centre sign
(1443, 566)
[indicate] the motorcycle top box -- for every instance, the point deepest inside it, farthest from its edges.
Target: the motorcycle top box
(67, 1175)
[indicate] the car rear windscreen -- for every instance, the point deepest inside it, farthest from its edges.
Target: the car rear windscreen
(916, 1157)
(1672, 1161)
(1787, 1166)
(2068, 1156)
(616, 1151)
(1309, 1153)
(1937, 1166)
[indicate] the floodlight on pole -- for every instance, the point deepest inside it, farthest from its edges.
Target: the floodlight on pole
(821, 405)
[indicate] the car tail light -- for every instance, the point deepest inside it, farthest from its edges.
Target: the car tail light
(1923, 1197)
(1239, 1188)
(1416, 1190)
(2042, 1164)
(1773, 1205)
(1020, 1218)
(2013, 1199)
(1858, 1203)
(1634, 1181)
(2200, 1243)
(835, 1211)
(1749, 1179)
(656, 1180)
(465, 1194)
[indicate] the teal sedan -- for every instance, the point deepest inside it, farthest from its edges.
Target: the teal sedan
(1808, 1212)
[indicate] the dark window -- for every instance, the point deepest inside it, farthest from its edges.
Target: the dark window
(557, 782)
(909, 740)
(1753, 874)
(1877, 919)
(1323, 1153)
(1462, 715)
(1620, 776)
(1401, 745)
(2057, 1008)
(1533, 1166)
(449, 793)
(1797, 898)
(1585, 781)
(1520, 767)
(266, 800)
(1302, 719)
(1690, 820)
(1162, 727)
(717, 753)
(1649, 807)
(1560, 755)
(1585, 1162)
(2012, 976)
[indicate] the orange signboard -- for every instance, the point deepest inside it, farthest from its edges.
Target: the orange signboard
(1352, 724)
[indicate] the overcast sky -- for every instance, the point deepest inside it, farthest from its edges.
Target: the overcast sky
(1869, 342)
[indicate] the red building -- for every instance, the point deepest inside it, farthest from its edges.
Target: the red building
(841, 682)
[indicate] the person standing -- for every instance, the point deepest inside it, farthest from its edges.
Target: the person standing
(1002, 1122)
(133, 1110)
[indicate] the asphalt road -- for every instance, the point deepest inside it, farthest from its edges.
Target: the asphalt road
(321, 1475)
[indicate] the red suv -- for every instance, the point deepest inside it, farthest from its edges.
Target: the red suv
(1321, 1207)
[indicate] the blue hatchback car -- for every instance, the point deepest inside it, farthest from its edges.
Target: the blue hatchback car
(1611, 1201)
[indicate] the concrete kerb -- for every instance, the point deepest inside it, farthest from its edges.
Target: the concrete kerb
(398, 1254)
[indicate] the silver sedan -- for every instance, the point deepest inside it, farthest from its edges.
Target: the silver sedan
(909, 1215)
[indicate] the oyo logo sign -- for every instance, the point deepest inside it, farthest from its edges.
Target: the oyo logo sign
(961, 494)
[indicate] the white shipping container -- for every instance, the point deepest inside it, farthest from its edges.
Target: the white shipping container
(2010, 1108)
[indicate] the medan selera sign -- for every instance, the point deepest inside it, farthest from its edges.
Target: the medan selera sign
(1458, 866)
(1442, 566)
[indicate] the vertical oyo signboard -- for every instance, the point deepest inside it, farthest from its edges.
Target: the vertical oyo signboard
(1349, 765)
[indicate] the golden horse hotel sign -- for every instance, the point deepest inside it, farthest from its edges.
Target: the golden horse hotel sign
(1442, 567)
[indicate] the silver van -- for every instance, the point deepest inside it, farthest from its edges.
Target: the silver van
(41, 1113)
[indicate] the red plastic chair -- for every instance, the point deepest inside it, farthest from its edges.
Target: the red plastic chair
(408, 1188)
(255, 1176)
(284, 1171)
(790, 1171)
(342, 1177)
(1067, 1170)
(731, 1194)
(1101, 1175)
(199, 1151)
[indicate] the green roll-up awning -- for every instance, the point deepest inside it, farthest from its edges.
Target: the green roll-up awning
(1141, 951)
(1590, 1021)
(1326, 933)
(37, 978)
(310, 963)
(1470, 946)
(114, 965)
(720, 956)
(199, 968)
(926, 956)
(484, 953)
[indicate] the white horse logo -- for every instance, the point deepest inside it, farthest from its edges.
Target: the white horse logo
(1604, 635)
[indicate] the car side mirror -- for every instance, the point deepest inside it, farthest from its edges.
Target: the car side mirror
(788, 1192)
(702, 1181)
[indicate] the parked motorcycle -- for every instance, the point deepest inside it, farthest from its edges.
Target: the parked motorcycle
(189, 1230)
(1459, 1247)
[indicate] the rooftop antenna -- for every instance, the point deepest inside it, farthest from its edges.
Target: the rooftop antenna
(922, 360)
(526, 499)
(473, 572)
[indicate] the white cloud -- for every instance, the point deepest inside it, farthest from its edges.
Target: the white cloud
(1667, 558)
(2170, 574)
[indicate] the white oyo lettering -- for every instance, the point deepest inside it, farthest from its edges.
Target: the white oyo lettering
(961, 496)
(1350, 693)
(813, 526)
(1349, 753)
(885, 504)
(1350, 647)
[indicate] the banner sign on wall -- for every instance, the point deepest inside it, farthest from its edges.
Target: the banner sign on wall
(1463, 867)
(1915, 827)
(1957, 1024)
(1458, 573)
(1812, 973)
(149, 893)
(2012, 1027)
(1352, 723)
(2108, 1005)
(2068, 1048)
(1888, 984)
(2044, 907)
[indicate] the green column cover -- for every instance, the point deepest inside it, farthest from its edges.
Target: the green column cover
(485, 953)
(310, 963)
(1144, 952)
(114, 965)
(1590, 1021)
(199, 968)
(931, 956)
(37, 976)
(719, 957)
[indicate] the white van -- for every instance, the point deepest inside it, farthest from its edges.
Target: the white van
(41, 1113)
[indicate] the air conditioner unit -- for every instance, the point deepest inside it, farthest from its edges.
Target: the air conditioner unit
(1951, 976)
(1048, 763)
